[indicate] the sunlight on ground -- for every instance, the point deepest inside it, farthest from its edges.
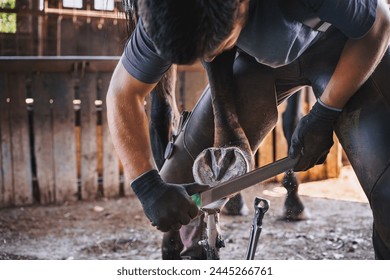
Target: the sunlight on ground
(346, 187)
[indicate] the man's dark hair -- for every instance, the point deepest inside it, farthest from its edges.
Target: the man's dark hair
(184, 30)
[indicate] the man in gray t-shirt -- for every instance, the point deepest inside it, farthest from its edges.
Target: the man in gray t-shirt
(276, 47)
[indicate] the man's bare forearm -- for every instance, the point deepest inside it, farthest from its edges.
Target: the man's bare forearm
(128, 122)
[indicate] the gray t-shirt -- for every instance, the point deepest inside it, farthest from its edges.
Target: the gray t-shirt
(272, 37)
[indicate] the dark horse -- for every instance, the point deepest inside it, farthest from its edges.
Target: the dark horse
(166, 123)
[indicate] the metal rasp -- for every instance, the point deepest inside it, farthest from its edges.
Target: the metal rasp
(244, 181)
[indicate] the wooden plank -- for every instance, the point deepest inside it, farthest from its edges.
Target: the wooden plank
(88, 125)
(61, 87)
(6, 191)
(330, 168)
(281, 147)
(21, 153)
(266, 149)
(2, 203)
(43, 138)
(2, 90)
(68, 43)
(1, 164)
(110, 159)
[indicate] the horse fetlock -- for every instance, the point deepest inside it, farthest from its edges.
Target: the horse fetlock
(290, 182)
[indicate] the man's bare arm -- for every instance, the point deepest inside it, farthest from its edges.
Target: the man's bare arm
(313, 136)
(168, 206)
(358, 60)
(128, 122)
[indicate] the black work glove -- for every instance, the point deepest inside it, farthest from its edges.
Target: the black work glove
(313, 137)
(168, 206)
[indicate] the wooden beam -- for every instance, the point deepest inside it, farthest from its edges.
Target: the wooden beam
(20, 140)
(43, 137)
(64, 140)
(6, 191)
(88, 129)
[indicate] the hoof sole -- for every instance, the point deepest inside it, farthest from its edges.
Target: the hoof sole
(217, 165)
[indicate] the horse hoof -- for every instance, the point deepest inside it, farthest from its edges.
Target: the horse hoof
(294, 210)
(217, 165)
(294, 215)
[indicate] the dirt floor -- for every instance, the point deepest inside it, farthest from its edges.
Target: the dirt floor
(339, 227)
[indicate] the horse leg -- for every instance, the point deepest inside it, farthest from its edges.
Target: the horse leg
(257, 113)
(293, 206)
(231, 145)
(230, 155)
(164, 115)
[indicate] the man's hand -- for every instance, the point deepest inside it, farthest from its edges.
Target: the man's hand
(168, 206)
(313, 137)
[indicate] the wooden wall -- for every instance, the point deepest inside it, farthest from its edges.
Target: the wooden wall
(58, 32)
(58, 147)
(39, 160)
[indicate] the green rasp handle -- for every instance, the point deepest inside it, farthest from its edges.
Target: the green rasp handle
(197, 199)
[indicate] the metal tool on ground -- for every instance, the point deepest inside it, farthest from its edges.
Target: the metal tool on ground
(228, 188)
(261, 207)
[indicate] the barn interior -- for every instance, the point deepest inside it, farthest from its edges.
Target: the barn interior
(63, 194)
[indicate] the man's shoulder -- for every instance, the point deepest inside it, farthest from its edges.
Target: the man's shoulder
(141, 59)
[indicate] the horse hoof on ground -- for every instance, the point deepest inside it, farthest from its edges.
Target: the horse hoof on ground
(171, 246)
(295, 214)
(217, 165)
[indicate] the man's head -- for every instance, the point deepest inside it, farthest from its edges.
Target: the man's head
(184, 30)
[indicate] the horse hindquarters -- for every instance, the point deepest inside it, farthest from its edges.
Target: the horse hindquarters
(364, 133)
